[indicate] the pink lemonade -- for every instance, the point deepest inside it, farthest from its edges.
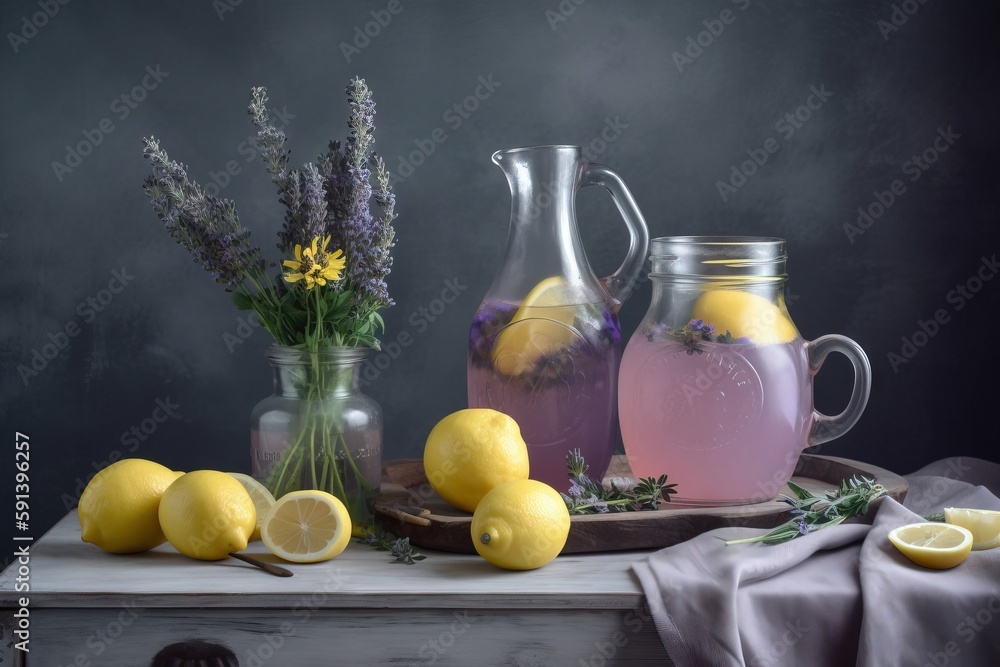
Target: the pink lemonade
(725, 421)
(562, 399)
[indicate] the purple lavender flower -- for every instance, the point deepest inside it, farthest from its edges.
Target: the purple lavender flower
(208, 227)
(597, 504)
(655, 331)
(610, 330)
(305, 208)
(335, 170)
(491, 317)
(367, 240)
(331, 197)
(271, 142)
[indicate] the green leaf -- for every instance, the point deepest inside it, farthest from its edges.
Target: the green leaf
(242, 301)
(801, 493)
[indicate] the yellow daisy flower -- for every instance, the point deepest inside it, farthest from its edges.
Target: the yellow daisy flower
(314, 265)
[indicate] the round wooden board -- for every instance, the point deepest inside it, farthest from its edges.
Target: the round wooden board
(409, 507)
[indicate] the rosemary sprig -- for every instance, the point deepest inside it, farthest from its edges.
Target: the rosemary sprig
(586, 496)
(398, 547)
(813, 512)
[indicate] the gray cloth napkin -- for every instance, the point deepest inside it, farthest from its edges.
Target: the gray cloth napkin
(840, 596)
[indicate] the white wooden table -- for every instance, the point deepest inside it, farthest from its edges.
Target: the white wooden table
(88, 607)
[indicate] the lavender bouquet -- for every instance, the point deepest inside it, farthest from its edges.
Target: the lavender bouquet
(332, 282)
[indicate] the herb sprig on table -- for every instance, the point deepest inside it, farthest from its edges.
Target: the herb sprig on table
(398, 547)
(585, 496)
(813, 512)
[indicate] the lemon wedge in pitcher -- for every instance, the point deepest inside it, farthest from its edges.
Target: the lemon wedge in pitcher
(543, 325)
(744, 315)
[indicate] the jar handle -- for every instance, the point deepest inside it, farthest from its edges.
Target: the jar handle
(620, 283)
(825, 427)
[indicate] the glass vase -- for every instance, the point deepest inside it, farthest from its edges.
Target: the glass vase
(318, 431)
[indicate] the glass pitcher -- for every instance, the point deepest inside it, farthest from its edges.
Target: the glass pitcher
(545, 343)
(716, 383)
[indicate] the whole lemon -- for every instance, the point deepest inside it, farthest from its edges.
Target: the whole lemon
(744, 314)
(206, 514)
(521, 525)
(118, 509)
(470, 452)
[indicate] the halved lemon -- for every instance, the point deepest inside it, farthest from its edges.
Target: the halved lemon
(932, 544)
(542, 325)
(261, 497)
(307, 526)
(983, 524)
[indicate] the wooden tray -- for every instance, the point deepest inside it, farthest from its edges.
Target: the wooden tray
(408, 507)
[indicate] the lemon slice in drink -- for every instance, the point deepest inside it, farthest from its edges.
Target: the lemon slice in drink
(542, 325)
(307, 526)
(934, 545)
(261, 497)
(983, 524)
(744, 314)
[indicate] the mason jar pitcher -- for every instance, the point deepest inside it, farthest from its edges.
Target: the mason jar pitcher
(716, 384)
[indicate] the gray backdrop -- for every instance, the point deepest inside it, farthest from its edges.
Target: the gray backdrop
(681, 91)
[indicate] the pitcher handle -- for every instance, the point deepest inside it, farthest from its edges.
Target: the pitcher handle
(825, 427)
(620, 283)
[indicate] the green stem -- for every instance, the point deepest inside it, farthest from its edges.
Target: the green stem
(293, 451)
(312, 456)
(340, 491)
(350, 459)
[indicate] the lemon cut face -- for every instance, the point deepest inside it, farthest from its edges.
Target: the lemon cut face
(983, 524)
(935, 545)
(542, 326)
(307, 526)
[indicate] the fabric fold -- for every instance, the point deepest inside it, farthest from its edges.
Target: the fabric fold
(842, 595)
